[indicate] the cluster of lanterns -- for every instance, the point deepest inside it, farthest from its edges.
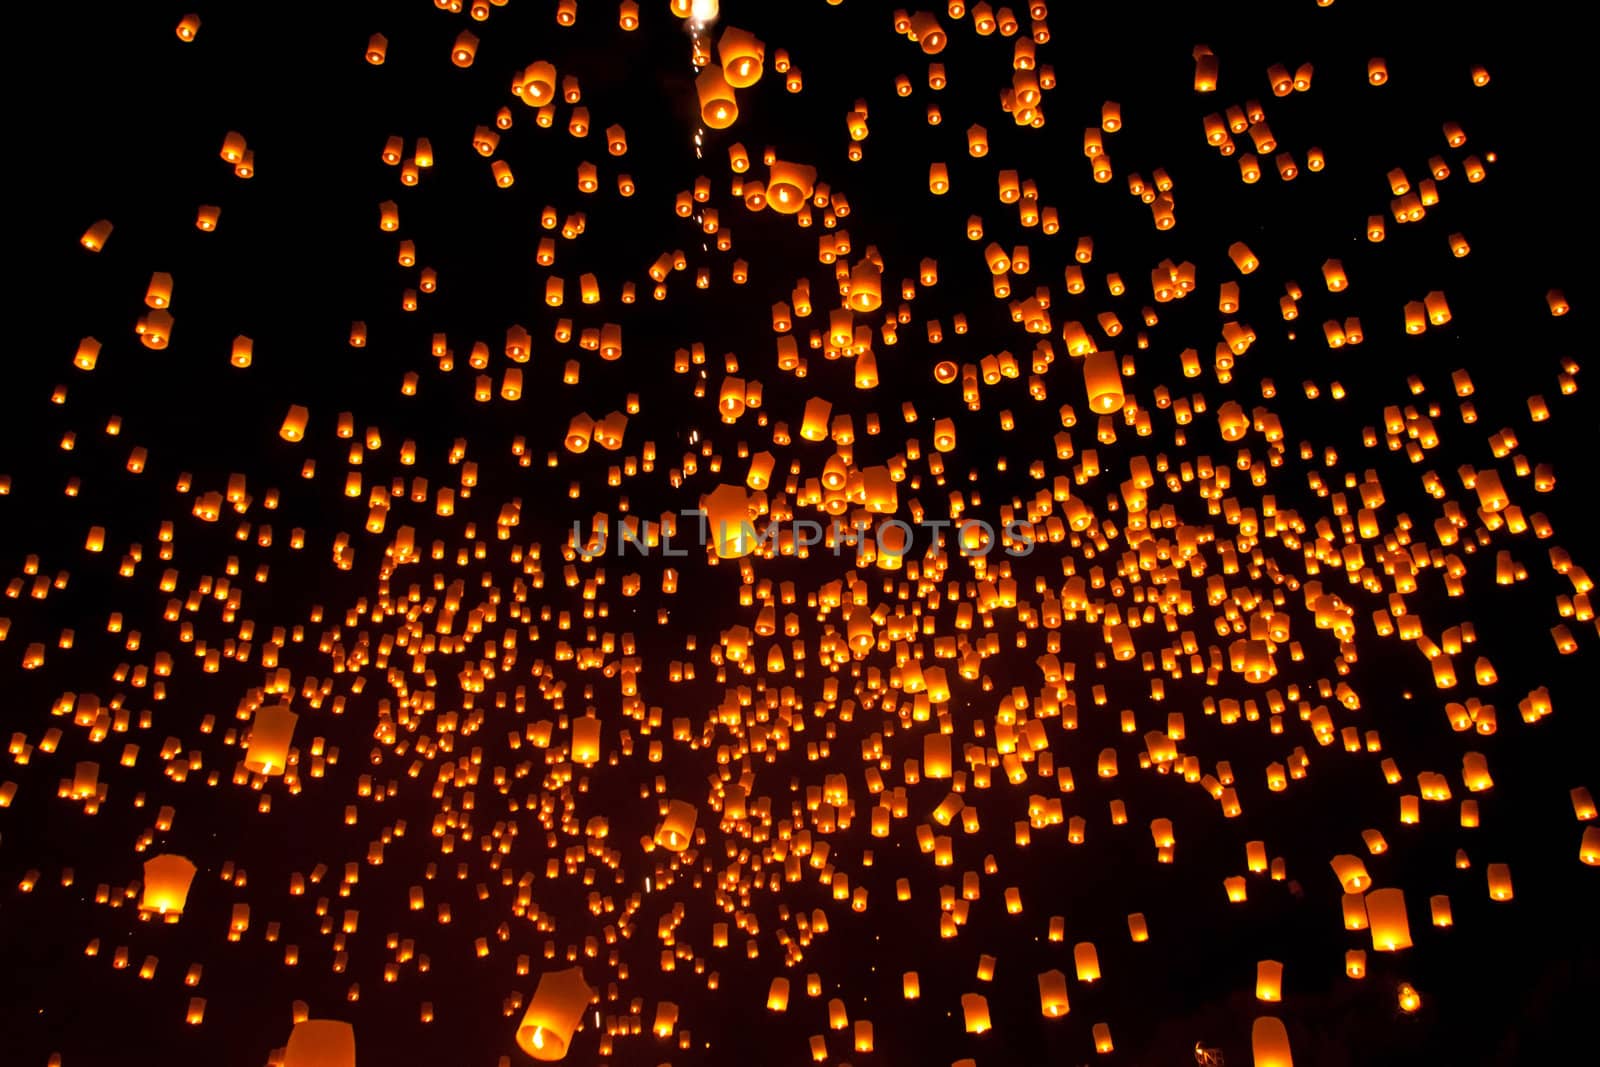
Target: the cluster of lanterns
(870, 693)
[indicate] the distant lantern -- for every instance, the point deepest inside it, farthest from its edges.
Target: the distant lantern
(1410, 1001)
(271, 733)
(321, 1043)
(553, 1014)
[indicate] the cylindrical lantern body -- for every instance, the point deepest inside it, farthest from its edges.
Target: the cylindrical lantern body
(1269, 1042)
(677, 829)
(553, 1014)
(1386, 911)
(271, 733)
(166, 884)
(321, 1043)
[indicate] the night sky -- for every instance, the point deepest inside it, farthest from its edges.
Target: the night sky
(254, 513)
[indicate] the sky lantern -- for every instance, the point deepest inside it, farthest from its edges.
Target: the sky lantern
(741, 56)
(728, 522)
(538, 84)
(1269, 1042)
(271, 734)
(166, 885)
(1102, 378)
(1269, 980)
(676, 830)
(553, 1014)
(926, 31)
(586, 741)
(1053, 994)
(1386, 913)
(320, 1043)
(718, 108)
(95, 237)
(975, 1012)
(1087, 961)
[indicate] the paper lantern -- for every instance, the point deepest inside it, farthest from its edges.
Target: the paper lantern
(926, 31)
(553, 1014)
(1087, 961)
(586, 741)
(1269, 980)
(677, 829)
(538, 84)
(975, 1012)
(1053, 994)
(789, 186)
(1102, 378)
(1352, 873)
(1589, 847)
(741, 55)
(1386, 912)
(166, 885)
(1269, 1043)
(271, 733)
(718, 108)
(321, 1043)
(727, 516)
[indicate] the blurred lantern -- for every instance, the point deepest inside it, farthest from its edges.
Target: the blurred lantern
(1269, 1043)
(321, 1043)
